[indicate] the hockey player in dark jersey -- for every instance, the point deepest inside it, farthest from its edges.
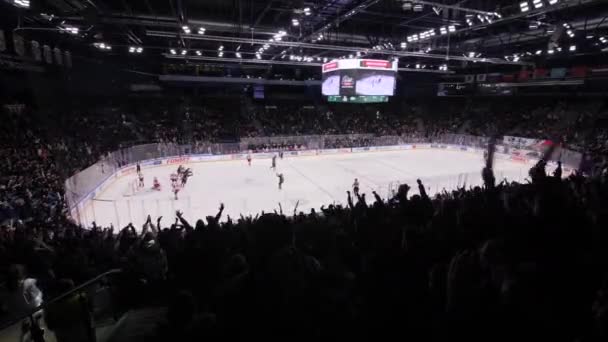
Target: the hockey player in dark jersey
(180, 170)
(274, 162)
(281, 180)
(140, 176)
(356, 187)
(185, 175)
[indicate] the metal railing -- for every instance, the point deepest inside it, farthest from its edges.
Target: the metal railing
(36, 331)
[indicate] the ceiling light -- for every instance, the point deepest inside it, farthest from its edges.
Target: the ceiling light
(221, 48)
(572, 48)
(173, 52)
(550, 51)
(537, 3)
(22, 3)
(135, 49)
(539, 52)
(524, 6)
(184, 52)
(199, 53)
(418, 7)
(407, 6)
(238, 55)
(552, 2)
(220, 54)
(186, 29)
(201, 30)
(403, 45)
(102, 46)
(70, 29)
(307, 11)
(295, 22)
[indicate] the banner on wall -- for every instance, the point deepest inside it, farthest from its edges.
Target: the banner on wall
(58, 56)
(19, 45)
(67, 59)
(2, 41)
(48, 55)
(36, 54)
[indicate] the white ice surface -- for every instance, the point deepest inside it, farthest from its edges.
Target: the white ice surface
(312, 181)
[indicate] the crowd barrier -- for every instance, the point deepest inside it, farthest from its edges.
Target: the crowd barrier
(83, 187)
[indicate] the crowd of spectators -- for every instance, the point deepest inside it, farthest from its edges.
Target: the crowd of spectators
(502, 262)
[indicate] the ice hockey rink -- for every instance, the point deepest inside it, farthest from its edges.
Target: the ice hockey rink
(310, 182)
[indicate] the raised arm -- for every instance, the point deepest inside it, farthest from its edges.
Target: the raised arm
(219, 214)
(185, 224)
(422, 190)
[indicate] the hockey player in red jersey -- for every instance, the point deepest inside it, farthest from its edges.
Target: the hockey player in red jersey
(176, 187)
(156, 184)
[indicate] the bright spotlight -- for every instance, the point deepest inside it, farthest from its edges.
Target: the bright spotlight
(22, 3)
(524, 6)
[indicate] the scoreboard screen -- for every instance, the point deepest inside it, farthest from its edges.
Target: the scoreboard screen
(359, 77)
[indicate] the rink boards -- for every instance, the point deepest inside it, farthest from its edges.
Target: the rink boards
(83, 206)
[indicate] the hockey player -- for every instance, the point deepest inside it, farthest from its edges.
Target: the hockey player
(176, 188)
(281, 155)
(173, 178)
(356, 187)
(180, 170)
(281, 180)
(156, 184)
(140, 175)
(274, 162)
(249, 159)
(185, 175)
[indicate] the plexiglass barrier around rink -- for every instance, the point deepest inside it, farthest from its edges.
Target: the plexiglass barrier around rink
(82, 188)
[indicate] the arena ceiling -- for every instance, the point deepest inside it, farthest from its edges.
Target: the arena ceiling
(439, 35)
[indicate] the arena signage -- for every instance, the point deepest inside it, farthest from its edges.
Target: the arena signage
(128, 170)
(182, 160)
